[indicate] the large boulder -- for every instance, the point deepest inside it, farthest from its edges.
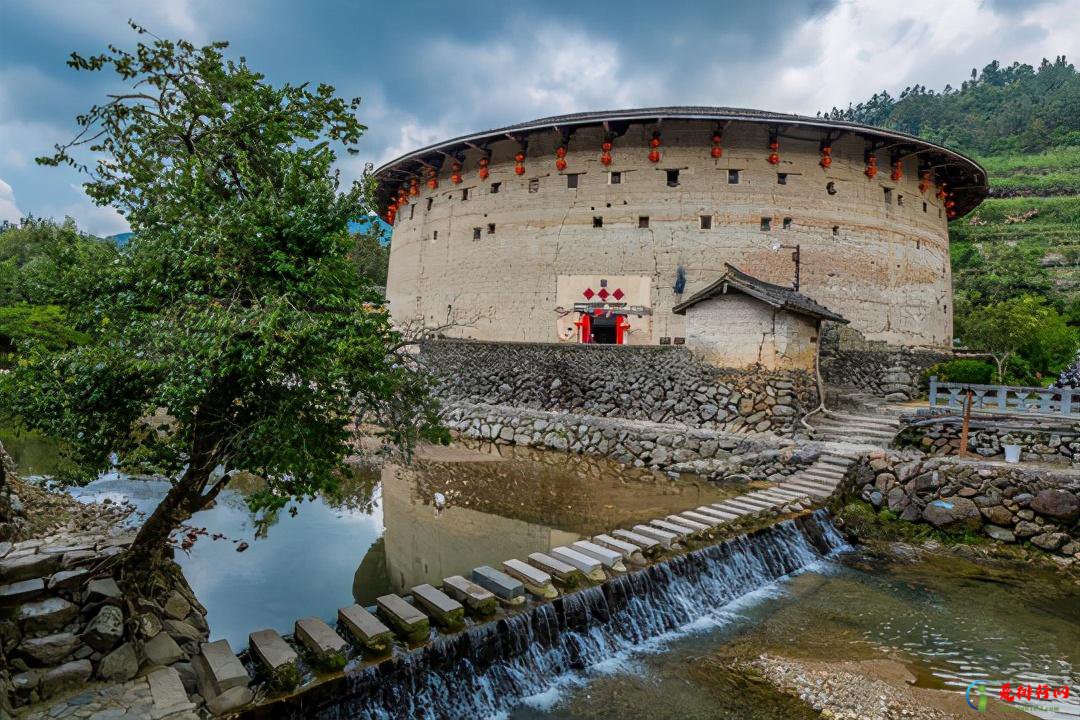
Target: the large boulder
(105, 630)
(953, 514)
(1060, 505)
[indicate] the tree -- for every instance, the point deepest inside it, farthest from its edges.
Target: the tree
(236, 306)
(1023, 326)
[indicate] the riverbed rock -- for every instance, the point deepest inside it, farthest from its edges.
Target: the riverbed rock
(999, 533)
(1025, 529)
(1057, 504)
(1050, 541)
(64, 677)
(103, 590)
(105, 630)
(162, 650)
(177, 607)
(956, 513)
(48, 650)
(998, 515)
(121, 664)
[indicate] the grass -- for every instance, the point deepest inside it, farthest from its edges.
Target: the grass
(1054, 172)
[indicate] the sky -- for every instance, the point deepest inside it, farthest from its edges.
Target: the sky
(427, 71)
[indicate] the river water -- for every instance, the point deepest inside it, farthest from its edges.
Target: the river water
(948, 621)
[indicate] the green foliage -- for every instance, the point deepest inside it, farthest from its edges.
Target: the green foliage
(1022, 331)
(236, 306)
(371, 255)
(964, 370)
(44, 325)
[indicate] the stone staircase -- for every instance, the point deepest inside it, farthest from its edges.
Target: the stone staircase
(820, 480)
(857, 428)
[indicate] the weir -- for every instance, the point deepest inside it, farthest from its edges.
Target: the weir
(489, 668)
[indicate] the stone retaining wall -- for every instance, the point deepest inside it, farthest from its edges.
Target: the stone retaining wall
(654, 383)
(1040, 439)
(669, 448)
(1007, 503)
(890, 372)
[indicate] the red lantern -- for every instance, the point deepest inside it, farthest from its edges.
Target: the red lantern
(605, 158)
(560, 155)
(774, 159)
(950, 204)
(897, 171)
(402, 197)
(560, 152)
(560, 164)
(774, 156)
(484, 173)
(924, 181)
(826, 157)
(455, 176)
(606, 146)
(871, 166)
(716, 151)
(654, 156)
(414, 188)
(519, 169)
(941, 192)
(433, 180)
(655, 142)
(520, 157)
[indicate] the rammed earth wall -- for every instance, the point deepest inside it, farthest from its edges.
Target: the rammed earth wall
(654, 383)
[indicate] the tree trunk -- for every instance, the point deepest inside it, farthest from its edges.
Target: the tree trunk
(147, 552)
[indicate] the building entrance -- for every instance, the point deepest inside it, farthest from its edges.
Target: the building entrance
(604, 329)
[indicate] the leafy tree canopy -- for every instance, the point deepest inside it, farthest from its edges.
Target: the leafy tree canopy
(236, 306)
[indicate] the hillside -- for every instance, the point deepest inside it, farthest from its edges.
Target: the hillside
(1023, 124)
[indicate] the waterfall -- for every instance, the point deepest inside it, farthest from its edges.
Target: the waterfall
(487, 669)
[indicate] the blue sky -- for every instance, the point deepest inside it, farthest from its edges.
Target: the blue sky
(428, 70)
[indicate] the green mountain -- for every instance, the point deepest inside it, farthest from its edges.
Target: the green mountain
(1023, 124)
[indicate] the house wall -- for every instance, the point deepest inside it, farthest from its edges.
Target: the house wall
(738, 331)
(881, 264)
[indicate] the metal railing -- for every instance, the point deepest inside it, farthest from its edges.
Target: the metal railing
(1006, 398)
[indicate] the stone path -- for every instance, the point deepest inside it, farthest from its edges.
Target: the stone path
(158, 696)
(856, 428)
(820, 480)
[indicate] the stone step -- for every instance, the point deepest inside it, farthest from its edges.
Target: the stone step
(610, 559)
(276, 656)
(851, 417)
(168, 697)
(750, 509)
(369, 631)
(586, 564)
(404, 619)
(829, 482)
(753, 502)
(837, 425)
(785, 497)
(831, 478)
(442, 608)
(682, 531)
(326, 646)
(695, 525)
(722, 516)
(218, 669)
(699, 517)
(555, 567)
(840, 461)
(777, 490)
(28, 567)
(502, 585)
(858, 431)
(475, 598)
(628, 551)
(535, 580)
(650, 547)
(767, 500)
(664, 537)
(21, 591)
(737, 510)
(814, 491)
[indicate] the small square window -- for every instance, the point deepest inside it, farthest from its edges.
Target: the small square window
(787, 223)
(495, 187)
(572, 180)
(430, 200)
(464, 193)
(673, 178)
(534, 185)
(705, 222)
(733, 177)
(434, 234)
(597, 221)
(888, 195)
(615, 178)
(766, 224)
(476, 233)
(491, 228)
(781, 178)
(643, 221)
(679, 340)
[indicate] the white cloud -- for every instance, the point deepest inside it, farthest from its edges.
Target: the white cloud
(107, 19)
(94, 219)
(9, 211)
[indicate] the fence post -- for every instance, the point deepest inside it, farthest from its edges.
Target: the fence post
(1066, 401)
(1003, 393)
(933, 390)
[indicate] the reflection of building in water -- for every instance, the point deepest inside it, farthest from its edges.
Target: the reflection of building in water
(422, 546)
(372, 578)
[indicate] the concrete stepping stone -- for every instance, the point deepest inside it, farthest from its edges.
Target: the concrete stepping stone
(694, 525)
(590, 566)
(500, 584)
(650, 547)
(723, 517)
(610, 559)
(629, 551)
(703, 518)
(564, 572)
(535, 580)
(21, 591)
(445, 610)
(373, 636)
(218, 669)
(403, 618)
(678, 529)
(327, 648)
(740, 505)
(277, 656)
(749, 502)
(664, 537)
(168, 696)
(476, 599)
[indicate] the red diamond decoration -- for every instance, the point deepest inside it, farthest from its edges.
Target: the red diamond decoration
(603, 293)
(588, 293)
(618, 294)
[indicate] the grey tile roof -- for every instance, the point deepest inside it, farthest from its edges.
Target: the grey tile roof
(777, 296)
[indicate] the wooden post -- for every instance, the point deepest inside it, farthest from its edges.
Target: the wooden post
(966, 427)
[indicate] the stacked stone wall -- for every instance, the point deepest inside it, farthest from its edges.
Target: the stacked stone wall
(1040, 439)
(848, 360)
(652, 383)
(1007, 503)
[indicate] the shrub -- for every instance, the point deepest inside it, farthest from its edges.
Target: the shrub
(965, 370)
